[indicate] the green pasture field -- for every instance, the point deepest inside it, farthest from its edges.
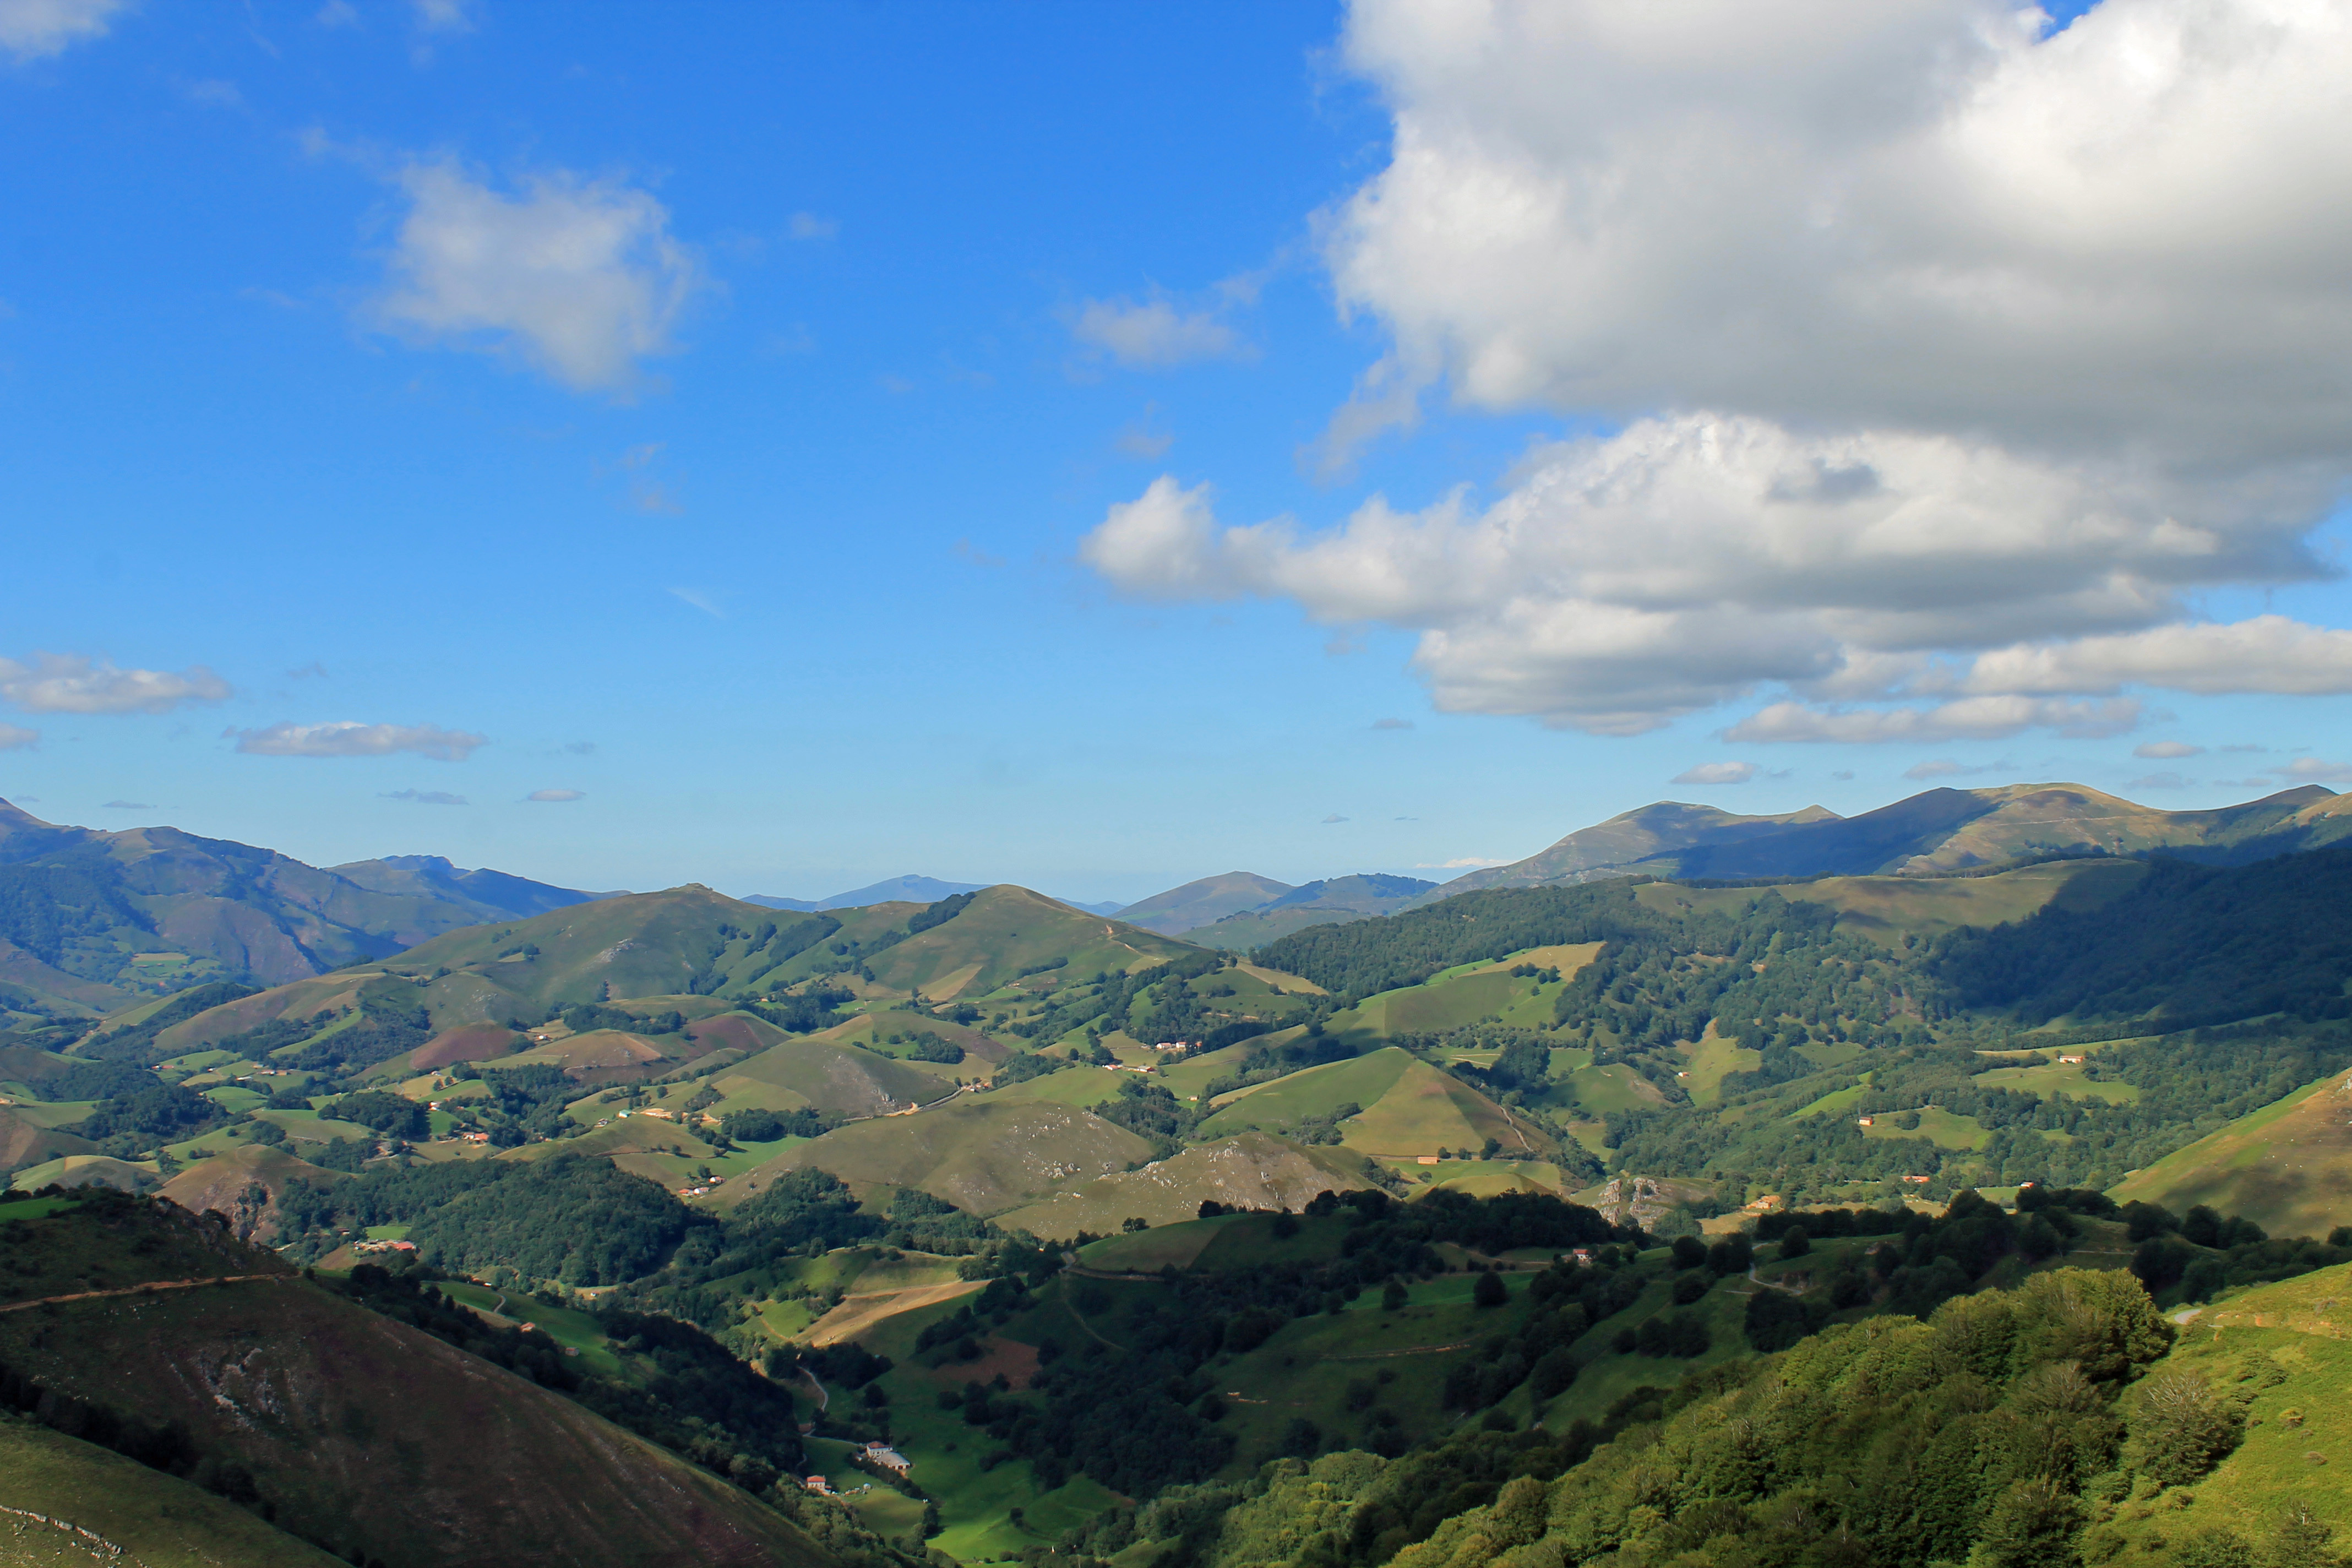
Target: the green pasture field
(1713, 1058)
(1148, 1251)
(34, 1208)
(1941, 1128)
(2056, 1077)
(567, 1326)
(1600, 1090)
(52, 1113)
(1186, 1080)
(2286, 1166)
(1838, 1101)
(1311, 1093)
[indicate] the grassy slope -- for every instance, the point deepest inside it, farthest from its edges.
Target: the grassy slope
(1250, 1170)
(1005, 930)
(980, 1157)
(163, 1521)
(836, 1079)
(364, 1433)
(2287, 1167)
(1409, 1108)
(1197, 903)
(2304, 1326)
(1886, 909)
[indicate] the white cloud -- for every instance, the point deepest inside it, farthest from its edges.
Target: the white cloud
(73, 683)
(347, 737)
(1944, 361)
(2311, 769)
(1153, 334)
(1335, 816)
(1969, 719)
(337, 14)
(1391, 724)
(428, 796)
(580, 279)
(809, 226)
(32, 29)
(2166, 780)
(700, 601)
(16, 738)
(2167, 750)
(557, 795)
(126, 805)
(1717, 773)
(1461, 863)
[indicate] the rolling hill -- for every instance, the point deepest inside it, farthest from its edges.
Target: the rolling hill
(1200, 903)
(984, 1156)
(92, 921)
(1407, 1110)
(1247, 1171)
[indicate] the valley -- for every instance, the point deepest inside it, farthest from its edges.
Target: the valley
(1119, 1237)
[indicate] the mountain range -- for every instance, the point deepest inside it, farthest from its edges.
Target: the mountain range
(909, 888)
(92, 921)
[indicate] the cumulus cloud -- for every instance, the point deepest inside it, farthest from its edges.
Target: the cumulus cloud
(809, 226)
(1153, 334)
(32, 29)
(348, 738)
(1944, 364)
(580, 279)
(428, 796)
(70, 683)
(15, 737)
(1717, 773)
(2167, 750)
(557, 795)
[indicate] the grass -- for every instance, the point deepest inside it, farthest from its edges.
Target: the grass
(567, 1326)
(154, 1518)
(2287, 1166)
(1600, 1090)
(34, 1208)
(1248, 1170)
(2059, 1078)
(1712, 1058)
(1941, 1128)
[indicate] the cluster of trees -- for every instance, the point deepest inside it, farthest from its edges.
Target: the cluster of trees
(1151, 1111)
(584, 1016)
(804, 1011)
(766, 1126)
(394, 1116)
(148, 1117)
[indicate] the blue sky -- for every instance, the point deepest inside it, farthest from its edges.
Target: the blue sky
(817, 443)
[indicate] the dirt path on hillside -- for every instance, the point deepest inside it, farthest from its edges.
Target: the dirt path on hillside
(151, 1285)
(857, 1314)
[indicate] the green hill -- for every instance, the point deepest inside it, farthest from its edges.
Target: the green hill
(840, 1079)
(1004, 930)
(2287, 1166)
(1407, 1109)
(1247, 1171)
(1609, 849)
(983, 1157)
(104, 1508)
(339, 1420)
(1199, 903)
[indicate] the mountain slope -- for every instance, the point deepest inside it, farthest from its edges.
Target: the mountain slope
(359, 1432)
(1936, 832)
(92, 921)
(1607, 848)
(1198, 904)
(1004, 929)
(984, 1156)
(1329, 902)
(149, 1515)
(2287, 1167)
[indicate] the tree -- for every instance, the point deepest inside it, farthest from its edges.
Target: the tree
(1794, 1242)
(1393, 1295)
(2029, 1525)
(1490, 1290)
